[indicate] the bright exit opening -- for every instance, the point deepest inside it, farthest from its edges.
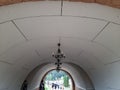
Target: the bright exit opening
(55, 80)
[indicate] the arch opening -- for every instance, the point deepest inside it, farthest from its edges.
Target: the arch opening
(80, 79)
(57, 80)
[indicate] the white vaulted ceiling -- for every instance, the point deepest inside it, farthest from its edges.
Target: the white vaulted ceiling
(90, 33)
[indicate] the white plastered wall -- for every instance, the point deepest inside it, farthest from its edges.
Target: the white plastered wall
(89, 34)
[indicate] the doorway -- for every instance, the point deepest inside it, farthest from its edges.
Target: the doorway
(58, 80)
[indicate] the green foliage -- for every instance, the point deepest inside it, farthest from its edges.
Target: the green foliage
(66, 81)
(46, 88)
(49, 77)
(53, 75)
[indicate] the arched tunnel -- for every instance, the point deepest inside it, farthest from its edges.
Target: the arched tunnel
(89, 35)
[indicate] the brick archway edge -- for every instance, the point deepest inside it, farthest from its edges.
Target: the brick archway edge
(112, 3)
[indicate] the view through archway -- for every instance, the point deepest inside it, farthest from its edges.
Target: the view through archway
(55, 80)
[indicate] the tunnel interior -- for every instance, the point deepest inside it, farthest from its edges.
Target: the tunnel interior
(89, 33)
(80, 79)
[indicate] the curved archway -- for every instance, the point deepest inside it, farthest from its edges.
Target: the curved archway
(61, 80)
(98, 56)
(81, 80)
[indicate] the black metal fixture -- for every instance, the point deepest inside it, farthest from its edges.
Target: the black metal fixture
(59, 55)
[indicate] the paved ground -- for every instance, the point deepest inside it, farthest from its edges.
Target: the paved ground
(67, 89)
(59, 89)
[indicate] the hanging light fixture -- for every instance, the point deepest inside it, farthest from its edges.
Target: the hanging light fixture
(59, 55)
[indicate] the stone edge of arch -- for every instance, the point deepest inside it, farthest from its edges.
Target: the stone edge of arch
(111, 3)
